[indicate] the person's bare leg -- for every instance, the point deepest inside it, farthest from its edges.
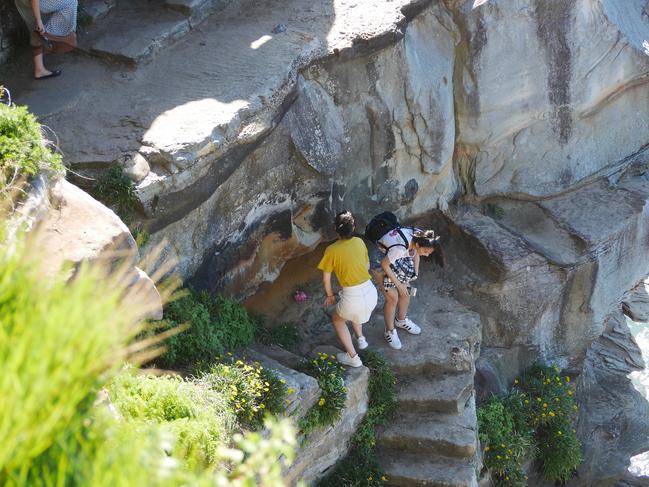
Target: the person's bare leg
(404, 302)
(39, 65)
(358, 329)
(389, 310)
(343, 334)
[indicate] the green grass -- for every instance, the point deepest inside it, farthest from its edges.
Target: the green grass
(196, 415)
(23, 151)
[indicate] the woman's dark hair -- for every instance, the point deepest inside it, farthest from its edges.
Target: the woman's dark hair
(427, 238)
(344, 224)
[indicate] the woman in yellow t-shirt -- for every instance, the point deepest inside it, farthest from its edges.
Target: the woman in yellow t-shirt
(347, 258)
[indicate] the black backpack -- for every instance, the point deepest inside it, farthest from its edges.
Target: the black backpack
(380, 225)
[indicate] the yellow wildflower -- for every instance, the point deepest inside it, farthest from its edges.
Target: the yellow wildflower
(383, 478)
(570, 393)
(567, 379)
(290, 390)
(321, 402)
(551, 414)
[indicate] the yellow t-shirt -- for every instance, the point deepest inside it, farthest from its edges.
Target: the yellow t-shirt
(348, 260)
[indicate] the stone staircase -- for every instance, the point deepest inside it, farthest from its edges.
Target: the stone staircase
(132, 32)
(433, 439)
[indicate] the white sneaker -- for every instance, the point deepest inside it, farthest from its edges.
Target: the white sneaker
(393, 339)
(362, 343)
(408, 325)
(345, 359)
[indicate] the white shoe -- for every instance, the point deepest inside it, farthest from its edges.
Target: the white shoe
(393, 339)
(345, 359)
(408, 325)
(362, 343)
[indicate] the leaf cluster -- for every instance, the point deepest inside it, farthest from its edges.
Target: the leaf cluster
(361, 467)
(331, 379)
(251, 391)
(534, 421)
(217, 324)
(117, 191)
(23, 150)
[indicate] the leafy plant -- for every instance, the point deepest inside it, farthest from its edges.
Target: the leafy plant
(252, 391)
(535, 420)
(361, 467)
(216, 325)
(22, 148)
(505, 447)
(285, 335)
(330, 376)
(117, 191)
(496, 211)
(197, 416)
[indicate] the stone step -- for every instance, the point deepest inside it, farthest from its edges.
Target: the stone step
(421, 469)
(93, 10)
(197, 10)
(447, 393)
(450, 435)
(133, 32)
(434, 351)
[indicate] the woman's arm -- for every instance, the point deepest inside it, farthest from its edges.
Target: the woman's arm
(36, 9)
(326, 281)
(415, 259)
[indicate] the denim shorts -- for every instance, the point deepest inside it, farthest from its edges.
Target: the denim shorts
(375, 255)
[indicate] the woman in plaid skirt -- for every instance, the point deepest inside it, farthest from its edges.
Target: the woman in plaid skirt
(401, 265)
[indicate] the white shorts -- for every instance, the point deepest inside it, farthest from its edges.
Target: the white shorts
(357, 302)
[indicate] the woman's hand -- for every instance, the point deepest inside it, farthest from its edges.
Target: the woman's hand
(401, 288)
(39, 26)
(329, 301)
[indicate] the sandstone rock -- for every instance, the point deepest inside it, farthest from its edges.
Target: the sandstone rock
(135, 166)
(636, 304)
(78, 228)
(574, 70)
(306, 391)
(612, 421)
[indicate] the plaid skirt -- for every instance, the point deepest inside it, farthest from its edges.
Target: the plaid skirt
(404, 269)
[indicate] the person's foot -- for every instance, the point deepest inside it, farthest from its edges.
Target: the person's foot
(345, 359)
(362, 342)
(408, 325)
(47, 74)
(393, 339)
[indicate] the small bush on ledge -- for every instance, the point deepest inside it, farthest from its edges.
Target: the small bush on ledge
(534, 421)
(331, 379)
(216, 324)
(23, 151)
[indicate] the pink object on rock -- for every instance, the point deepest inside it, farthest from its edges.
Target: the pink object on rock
(300, 296)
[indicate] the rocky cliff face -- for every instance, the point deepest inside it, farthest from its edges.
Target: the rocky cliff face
(525, 123)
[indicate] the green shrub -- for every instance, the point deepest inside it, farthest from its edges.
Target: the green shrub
(117, 191)
(505, 447)
(216, 325)
(553, 413)
(330, 376)
(197, 417)
(285, 335)
(252, 391)
(361, 466)
(22, 148)
(535, 420)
